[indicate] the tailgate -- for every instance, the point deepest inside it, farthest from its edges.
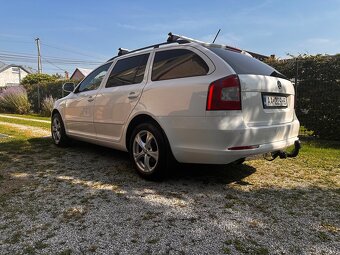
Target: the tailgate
(266, 100)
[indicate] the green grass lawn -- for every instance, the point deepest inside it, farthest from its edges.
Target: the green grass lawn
(20, 141)
(27, 122)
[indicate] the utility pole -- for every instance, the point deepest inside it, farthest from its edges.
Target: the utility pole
(39, 69)
(39, 55)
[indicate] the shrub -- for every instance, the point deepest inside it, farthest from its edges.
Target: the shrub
(53, 89)
(14, 100)
(47, 106)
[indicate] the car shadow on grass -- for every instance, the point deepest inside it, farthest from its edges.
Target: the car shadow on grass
(212, 174)
(202, 173)
(222, 174)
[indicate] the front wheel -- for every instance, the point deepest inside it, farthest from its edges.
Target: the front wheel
(59, 136)
(148, 150)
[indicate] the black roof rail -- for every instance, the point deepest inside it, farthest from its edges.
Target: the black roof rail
(125, 51)
(172, 38)
(122, 51)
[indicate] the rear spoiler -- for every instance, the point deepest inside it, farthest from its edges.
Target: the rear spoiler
(173, 38)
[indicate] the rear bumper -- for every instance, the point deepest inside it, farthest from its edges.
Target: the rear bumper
(227, 156)
(206, 140)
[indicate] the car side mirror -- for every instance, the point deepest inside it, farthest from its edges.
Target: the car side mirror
(68, 87)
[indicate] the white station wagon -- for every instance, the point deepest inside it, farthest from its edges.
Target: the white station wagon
(182, 100)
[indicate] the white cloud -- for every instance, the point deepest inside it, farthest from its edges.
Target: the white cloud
(318, 41)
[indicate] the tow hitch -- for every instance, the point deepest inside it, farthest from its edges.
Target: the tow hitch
(284, 154)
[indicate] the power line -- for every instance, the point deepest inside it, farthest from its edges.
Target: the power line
(55, 60)
(54, 65)
(29, 56)
(66, 50)
(50, 46)
(12, 40)
(1, 40)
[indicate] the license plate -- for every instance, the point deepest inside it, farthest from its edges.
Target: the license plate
(271, 101)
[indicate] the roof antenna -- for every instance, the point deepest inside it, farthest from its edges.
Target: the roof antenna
(216, 35)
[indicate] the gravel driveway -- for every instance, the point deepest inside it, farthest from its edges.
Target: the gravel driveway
(87, 199)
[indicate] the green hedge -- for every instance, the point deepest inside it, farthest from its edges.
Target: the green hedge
(50, 89)
(53, 89)
(318, 92)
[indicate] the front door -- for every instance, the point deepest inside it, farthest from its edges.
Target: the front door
(80, 106)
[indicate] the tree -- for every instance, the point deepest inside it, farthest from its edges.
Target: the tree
(39, 86)
(37, 78)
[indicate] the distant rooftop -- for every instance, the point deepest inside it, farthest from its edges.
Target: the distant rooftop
(80, 73)
(85, 71)
(4, 66)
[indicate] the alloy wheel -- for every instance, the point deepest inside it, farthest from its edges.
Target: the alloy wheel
(145, 151)
(56, 130)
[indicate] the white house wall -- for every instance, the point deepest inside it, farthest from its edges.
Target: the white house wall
(8, 77)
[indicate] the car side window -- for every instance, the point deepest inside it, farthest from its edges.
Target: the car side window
(93, 80)
(180, 63)
(128, 71)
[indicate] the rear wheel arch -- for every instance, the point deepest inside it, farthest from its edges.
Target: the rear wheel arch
(143, 118)
(144, 122)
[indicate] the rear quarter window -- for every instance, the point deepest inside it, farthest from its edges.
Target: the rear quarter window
(179, 63)
(243, 64)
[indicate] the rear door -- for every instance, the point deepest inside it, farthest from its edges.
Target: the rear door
(179, 80)
(116, 100)
(267, 96)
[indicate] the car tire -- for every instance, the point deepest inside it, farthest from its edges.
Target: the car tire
(59, 136)
(149, 151)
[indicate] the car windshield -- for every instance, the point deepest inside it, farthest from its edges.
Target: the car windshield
(243, 64)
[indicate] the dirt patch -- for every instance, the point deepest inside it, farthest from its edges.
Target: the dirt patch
(21, 118)
(29, 130)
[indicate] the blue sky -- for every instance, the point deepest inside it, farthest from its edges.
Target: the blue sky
(91, 30)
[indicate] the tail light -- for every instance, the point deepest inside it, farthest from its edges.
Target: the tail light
(224, 94)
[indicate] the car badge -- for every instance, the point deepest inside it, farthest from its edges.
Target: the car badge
(279, 85)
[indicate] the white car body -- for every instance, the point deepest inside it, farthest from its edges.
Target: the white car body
(195, 135)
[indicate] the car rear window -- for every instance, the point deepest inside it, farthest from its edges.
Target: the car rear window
(243, 64)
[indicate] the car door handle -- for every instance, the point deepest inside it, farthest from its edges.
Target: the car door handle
(133, 95)
(90, 99)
